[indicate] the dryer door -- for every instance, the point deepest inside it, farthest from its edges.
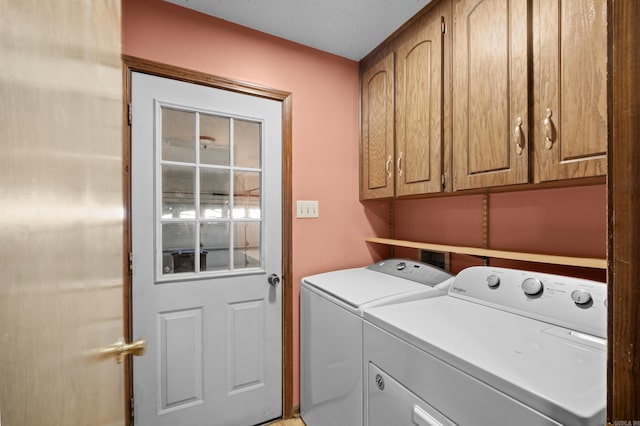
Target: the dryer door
(390, 403)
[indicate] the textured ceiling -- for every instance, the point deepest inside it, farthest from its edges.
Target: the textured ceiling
(348, 28)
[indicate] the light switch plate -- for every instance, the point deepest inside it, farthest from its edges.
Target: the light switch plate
(307, 209)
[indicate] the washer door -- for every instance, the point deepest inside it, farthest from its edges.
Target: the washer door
(390, 403)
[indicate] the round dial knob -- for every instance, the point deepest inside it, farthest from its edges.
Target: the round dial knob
(532, 287)
(493, 281)
(581, 297)
(401, 266)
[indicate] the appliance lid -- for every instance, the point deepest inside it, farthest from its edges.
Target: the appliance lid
(360, 286)
(541, 365)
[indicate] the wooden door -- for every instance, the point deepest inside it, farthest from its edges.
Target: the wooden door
(570, 89)
(419, 109)
(62, 213)
(206, 179)
(377, 144)
(490, 104)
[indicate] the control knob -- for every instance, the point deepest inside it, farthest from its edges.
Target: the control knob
(401, 266)
(493, 281)
(581, 297)
(532, 287)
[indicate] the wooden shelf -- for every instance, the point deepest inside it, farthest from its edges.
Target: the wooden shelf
(585, 262)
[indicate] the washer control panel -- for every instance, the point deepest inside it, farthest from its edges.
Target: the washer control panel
(574, 303)
(419, 272)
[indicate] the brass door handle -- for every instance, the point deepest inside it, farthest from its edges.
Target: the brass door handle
(549, 131)
(388, 166)
(518, 136)
(120, 348)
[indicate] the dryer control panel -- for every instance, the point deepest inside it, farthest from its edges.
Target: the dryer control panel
(419, 272)
(574, 303)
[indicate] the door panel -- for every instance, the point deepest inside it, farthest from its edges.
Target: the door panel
(490, 93)
(417, 83)
(570, 45)
(180, 351)
(61, 218)
(377, 168)
(419, 110)
(206, 233)
(246, 345)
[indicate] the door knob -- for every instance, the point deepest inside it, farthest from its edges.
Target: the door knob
(119, 349)
(274, 279)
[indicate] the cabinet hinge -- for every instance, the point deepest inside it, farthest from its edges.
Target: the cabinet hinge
(443, 180)
(443, 25)
(129, 113)
(130, 263)
(131, 409)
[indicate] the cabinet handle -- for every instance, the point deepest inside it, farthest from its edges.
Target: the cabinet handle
(388, 166)
(400, 164)
(518, 136)
(549, 130)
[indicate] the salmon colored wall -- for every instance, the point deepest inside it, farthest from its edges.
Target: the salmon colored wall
(563, 221)
(325, 124)
(569, 221)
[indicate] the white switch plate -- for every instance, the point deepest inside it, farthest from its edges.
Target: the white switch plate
(307, 208)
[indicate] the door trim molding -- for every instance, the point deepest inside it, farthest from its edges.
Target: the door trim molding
(131, 64)
(623, 378)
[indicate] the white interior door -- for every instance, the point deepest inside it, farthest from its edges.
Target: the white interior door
(206, 237)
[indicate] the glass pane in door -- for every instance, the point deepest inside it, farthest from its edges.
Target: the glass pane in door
(214, 193)
(246, 245)
(178, 244)
(178, 192)
(214, 140)
(178, 135)
(246, 195)
(214, 241)
(246, 144)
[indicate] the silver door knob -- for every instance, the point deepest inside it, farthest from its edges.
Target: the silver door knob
(274, 279)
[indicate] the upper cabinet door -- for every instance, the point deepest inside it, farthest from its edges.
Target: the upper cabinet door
(490, 103)
(570, 88)
(419, 62)
(377, 167)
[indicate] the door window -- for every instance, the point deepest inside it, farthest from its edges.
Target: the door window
(209, 175)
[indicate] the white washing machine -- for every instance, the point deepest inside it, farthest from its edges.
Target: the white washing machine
(504, 347)
(331, 306)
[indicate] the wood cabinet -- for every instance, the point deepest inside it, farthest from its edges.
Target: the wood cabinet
(419, 97)
(402, 113)
(491, 97)
(570, 89)
(490, 87)
(515, 93)
(377, 144)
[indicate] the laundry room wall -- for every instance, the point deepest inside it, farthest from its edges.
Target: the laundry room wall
(325, 124)
(561, 221)
(325, 88)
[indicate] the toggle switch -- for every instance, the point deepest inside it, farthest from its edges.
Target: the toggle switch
(307, 209)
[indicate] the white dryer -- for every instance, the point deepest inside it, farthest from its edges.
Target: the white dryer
(331, 306)
(504, 347)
